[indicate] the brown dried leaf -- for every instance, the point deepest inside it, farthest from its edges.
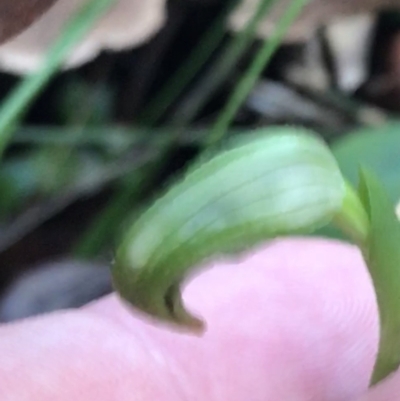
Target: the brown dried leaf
(17, 15)
(128, 23)
(315, 14)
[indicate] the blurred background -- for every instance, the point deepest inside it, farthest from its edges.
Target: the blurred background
(102, 140)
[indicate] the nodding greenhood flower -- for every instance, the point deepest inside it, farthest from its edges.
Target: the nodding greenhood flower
(282, 181)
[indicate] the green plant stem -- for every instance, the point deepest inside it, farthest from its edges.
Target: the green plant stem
(221, 68)
(246, 84)
(188, 70)
(17, 103)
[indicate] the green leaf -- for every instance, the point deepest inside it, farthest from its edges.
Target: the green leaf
(382, 254)
(377, 149)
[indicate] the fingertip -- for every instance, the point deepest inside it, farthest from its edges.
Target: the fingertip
(294, 319)
(299, 311)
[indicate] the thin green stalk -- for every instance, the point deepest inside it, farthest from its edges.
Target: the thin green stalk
(248, 81)
(189, 68)
(110, 138)
(17, 103)
(225, 63)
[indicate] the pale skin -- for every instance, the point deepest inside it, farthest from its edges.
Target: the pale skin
(296, 321)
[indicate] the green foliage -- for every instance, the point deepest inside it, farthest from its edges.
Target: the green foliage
(259, 63)
(376, 148)
(382, 254)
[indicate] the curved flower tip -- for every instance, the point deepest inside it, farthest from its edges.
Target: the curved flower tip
(127, 24)
(280, 181)
(315, 14)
